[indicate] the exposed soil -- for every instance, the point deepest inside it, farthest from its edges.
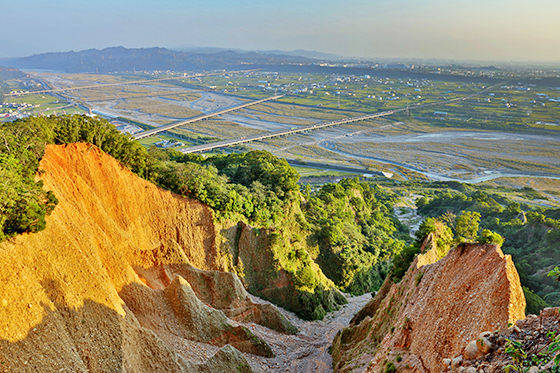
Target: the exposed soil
(98, 290)
(307, 351)
(433, 312)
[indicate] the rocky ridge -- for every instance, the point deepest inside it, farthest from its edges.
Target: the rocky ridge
(106, 286)
(433, 313)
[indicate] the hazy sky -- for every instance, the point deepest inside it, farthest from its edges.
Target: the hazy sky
(449, 29)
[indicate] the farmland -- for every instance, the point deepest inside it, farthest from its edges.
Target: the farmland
(510, 130)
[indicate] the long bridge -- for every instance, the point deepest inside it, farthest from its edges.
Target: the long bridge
(157, 130)
(268, 135)
(241, 140)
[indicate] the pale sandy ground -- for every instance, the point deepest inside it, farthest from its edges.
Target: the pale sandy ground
(407, 213)
(210, 102)
(305, 352)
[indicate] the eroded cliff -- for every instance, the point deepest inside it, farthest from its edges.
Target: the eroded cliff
(433, 312)
(112, 277)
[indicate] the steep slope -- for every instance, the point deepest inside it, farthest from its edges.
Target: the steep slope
(262, 255)
(82, 294)
(433, 313)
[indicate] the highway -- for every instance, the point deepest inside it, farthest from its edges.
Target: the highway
(157, 130)
(268, 135)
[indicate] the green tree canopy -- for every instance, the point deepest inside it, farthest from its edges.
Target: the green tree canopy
(487, 236)
(23, 202)
(467, 225)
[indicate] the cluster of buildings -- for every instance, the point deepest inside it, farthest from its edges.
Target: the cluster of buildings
(545, 97)
(166, 144)
(126, 127)
(14, 110)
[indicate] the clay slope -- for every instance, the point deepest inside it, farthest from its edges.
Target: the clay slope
(433, 313)
(90, 292)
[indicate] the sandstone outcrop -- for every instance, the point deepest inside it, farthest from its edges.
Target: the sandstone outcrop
(225, 292)
(177, 310)
(433, 313)
(81, 295)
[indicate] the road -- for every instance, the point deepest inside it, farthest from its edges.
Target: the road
(155, 131)
(268, 135)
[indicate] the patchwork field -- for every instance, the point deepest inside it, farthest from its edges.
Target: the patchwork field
(508, 131)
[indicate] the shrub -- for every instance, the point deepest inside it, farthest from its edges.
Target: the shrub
(390, 367)
(467, 226)
(487, 236)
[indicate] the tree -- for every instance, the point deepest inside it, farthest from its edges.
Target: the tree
(467, 225)
(487, 236)
(428, 226)
(23, 202)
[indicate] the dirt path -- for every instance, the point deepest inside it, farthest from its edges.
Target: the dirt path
(307, 351)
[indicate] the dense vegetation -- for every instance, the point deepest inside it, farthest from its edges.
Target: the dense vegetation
(256, 185)
(348, 229)
(357, 233)
(530, 234)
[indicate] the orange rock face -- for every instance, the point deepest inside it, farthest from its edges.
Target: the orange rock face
(434, 312)
(65, 299)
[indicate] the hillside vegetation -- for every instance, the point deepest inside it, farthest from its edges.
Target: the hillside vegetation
(24, 204)
(341, 236)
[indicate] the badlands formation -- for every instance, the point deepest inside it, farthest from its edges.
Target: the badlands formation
(127, 277)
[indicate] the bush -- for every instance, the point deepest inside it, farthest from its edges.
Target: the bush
(23, 203)
(467, 226)
(306, 278)
(402, 262)
(487, 236)
(390, 367)
(534, 303)
(354, 226)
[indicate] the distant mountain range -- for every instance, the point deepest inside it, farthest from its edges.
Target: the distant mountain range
(276, 52)
(119, 59)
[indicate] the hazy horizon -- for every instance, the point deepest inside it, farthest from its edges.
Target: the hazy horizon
(476, 30)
